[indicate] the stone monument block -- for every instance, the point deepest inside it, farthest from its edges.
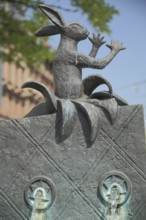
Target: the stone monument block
(77, 179)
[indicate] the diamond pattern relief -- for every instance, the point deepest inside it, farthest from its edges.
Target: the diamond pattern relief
(28, 149)
(8, 211)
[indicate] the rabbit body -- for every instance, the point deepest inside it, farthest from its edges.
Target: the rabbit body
(67, 73)
(68, 64)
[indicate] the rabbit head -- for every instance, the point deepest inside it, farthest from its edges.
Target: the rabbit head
(74, 31)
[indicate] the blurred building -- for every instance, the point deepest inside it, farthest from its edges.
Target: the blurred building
(17, 102)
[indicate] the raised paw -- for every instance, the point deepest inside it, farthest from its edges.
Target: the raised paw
(97, 41)
(116, 46)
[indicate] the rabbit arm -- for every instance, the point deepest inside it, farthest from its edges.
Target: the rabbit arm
(93, 51)
(97, 42)
(90, 62)
(87, 61)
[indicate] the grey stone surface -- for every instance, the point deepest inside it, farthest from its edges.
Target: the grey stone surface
(28, 148)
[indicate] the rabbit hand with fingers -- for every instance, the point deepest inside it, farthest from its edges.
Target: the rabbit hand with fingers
(71, 92)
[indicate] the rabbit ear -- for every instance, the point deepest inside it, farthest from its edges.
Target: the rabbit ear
(48, 31)
(53, 15)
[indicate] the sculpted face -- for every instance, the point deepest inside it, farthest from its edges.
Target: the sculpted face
(40, 199)
(76, 31)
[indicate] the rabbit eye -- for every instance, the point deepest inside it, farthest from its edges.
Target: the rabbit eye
(76, 26)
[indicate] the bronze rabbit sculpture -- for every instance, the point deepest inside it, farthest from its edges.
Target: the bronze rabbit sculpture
(73, 94)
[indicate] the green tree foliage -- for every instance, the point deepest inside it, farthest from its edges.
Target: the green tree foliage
(99, 12)
(19, 19)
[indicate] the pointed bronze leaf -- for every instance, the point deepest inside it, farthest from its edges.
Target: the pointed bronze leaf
(66, 118)
(51, 99)
(92, 118)
(106, 95)
(90, 83)
(109, 105)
